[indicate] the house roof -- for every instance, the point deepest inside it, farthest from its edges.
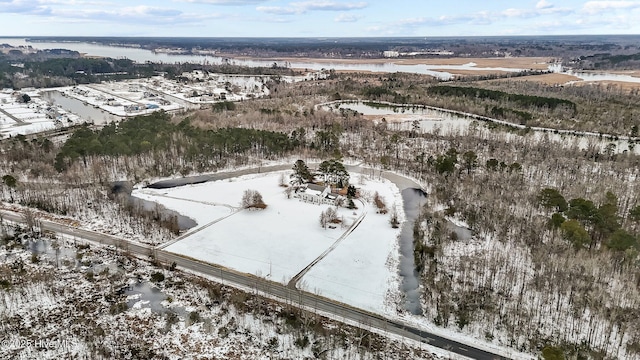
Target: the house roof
(316, 187)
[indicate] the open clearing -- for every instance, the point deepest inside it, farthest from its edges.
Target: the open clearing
(281, 240)
(566, 79)
(547, 79)
(628, 86)
(536, 63)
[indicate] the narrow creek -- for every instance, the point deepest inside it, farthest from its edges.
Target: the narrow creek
(413, 200)
(125, 188)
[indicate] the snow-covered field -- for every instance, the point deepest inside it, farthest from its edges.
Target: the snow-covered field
(363, 270)
(283, 239)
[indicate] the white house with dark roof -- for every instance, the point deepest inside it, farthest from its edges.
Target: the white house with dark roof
(317, 194)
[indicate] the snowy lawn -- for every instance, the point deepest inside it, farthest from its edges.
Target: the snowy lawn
(200, 211)
(363, 270)
(27, 129)
(283, 239)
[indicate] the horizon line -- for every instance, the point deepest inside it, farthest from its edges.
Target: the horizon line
(306, 37)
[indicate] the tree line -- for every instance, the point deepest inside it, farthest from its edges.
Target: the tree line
(587, 225)
(519, 99)
(155, 132)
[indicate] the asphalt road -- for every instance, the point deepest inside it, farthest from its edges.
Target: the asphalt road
(340, 311)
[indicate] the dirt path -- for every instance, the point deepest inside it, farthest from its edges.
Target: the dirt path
(294, 281)
(12, 117)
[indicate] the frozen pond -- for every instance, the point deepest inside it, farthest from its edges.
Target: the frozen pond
(585, 76)
(399, 117)
(405, 117)
(145, 295)
(593, 76)
(124, 188)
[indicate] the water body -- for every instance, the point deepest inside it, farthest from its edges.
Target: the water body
(593, 75)
(168, 184)
(198, 179)
(45, 247)
(143, 55)
(588, 76)
(124, 188)
(402, 116)
(152, 298)
(413, 200)
(86, 112)
(462, 233)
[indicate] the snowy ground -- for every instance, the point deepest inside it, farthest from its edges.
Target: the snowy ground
(284, 238)
(19, 118)
(123, 98)
(362, 271)
(281, 240)
(72, 306)
(149, 95)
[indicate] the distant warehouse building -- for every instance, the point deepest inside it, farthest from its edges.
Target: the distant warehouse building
(390, 54)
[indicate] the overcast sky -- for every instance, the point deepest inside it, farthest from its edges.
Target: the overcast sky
(317, 18)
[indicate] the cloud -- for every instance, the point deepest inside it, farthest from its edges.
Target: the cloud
(543, 10)
(543, 4)
(314, 5)
(277, 10)
(517, 13)
(141, 14)
(343, 17)
(330, 5)
(24, 7)
(225, 2)
(42, 7)
(68, 11)
(74, 2)
(596, 7)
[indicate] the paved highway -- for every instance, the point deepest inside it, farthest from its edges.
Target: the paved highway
(340, 311)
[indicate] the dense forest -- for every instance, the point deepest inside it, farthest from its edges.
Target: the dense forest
(602, 61)
(155, 133)
(525, 101)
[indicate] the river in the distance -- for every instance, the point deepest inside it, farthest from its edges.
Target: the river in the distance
(142, 55)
